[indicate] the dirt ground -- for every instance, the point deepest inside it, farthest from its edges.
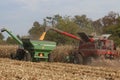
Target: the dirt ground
(21, 70)
(100, 69)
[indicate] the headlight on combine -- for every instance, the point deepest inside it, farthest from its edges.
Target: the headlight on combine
(108, 52)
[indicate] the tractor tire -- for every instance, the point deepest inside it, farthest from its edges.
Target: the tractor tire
(27, 57)
(50, 58)
(13, 56)
(87, 60)
(78, 59)
(19, 54)
(71, 58)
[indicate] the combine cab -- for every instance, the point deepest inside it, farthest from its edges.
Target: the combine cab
(31, 50)
(90, 47)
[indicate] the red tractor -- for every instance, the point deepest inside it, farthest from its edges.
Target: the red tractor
(90, 47)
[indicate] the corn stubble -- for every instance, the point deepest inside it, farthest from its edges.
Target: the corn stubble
(21, 70)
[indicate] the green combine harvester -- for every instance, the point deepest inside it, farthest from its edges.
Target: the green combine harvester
(31, 50)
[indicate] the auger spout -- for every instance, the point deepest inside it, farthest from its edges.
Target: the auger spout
(12, 35)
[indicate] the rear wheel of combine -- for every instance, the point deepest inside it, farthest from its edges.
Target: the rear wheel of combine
(87, 60)
(78, 59)
(50, 58)
(27, 57)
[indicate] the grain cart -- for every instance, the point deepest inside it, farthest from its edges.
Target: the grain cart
(90, 47)
(31, 50)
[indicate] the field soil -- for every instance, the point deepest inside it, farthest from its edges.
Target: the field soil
(100, 69)
(21, 70)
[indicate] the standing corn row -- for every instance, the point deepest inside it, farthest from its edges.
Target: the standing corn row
(6, 50)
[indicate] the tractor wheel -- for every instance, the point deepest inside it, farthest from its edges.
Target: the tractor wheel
(19, 54)
(27, 57)
(78, 59)
(13, 56)
(50, 58)
(87, 60)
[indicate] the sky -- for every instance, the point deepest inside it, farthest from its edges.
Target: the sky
(19, 15)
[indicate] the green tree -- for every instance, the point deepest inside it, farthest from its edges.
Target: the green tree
(84, 23)
(36, 30)
(98, 26)
(113, 29)
(110, 19)
(111, 25)
(65, 24)
(10, 40)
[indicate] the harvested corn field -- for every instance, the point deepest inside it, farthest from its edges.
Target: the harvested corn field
(21, 70)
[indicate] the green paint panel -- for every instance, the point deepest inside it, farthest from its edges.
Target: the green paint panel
(43, 45)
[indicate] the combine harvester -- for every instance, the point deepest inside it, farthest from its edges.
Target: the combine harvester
(89, 47)
(31, 50)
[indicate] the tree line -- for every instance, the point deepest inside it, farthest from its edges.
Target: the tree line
(109, 24)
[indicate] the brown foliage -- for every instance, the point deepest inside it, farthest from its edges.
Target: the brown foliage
(6, 50)
(60, 53)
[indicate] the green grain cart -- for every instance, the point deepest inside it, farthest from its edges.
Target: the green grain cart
(31, 50)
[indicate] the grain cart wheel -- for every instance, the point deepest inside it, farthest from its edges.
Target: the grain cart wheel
(13, 56)
(19, 54)
(78, 59)
(50, 57)
(27, 57)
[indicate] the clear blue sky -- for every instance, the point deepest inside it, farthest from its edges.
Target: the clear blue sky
(18, 15)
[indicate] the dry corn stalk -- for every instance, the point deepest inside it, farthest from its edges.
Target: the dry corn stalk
(6, 50)
(61, 52)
